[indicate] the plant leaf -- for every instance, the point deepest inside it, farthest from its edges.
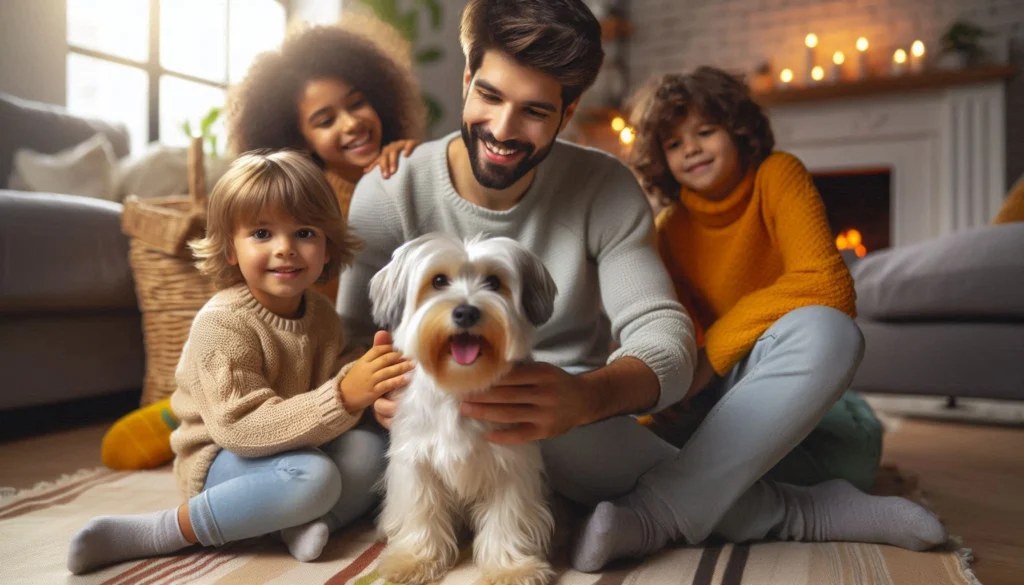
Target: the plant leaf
(408, 25)
(434, 9)
(186, 127)
(429, 55)
(435, 111)
(209, 119)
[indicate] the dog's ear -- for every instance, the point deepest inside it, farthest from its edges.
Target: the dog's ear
(539, 288)
(388, 289)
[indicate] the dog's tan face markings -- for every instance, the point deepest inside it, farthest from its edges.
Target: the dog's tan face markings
(427, 290)
(434, 341)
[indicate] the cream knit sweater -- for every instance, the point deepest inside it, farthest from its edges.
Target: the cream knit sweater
(256, 384)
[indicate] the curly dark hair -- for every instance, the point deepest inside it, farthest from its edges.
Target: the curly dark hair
(365, 53)
(717, 96)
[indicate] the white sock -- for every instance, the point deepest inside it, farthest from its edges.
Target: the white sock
(306, 541)
(111, 539)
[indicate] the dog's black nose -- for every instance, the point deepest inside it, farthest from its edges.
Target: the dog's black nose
(466, 316)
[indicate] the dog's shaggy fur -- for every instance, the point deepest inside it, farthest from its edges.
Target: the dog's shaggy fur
(466, 313)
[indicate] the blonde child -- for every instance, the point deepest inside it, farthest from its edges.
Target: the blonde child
(345, 93)
(269, 440)
(747, 244)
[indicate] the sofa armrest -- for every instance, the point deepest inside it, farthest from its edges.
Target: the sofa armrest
(972, 274)
(62, 253)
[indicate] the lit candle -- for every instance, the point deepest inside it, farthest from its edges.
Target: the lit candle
(811, 41)
(786, 77)
(917, 57)
(899, 61)
(837, 64)
(618, 123)
(862, 61)
(818, 73)
(627, 135)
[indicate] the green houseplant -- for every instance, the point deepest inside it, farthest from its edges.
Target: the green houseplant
(407, 22)
(961, 44)
(206, 130)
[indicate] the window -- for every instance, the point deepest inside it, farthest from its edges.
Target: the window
(154, 64)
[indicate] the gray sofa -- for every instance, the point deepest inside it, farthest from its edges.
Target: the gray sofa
(945, 317)
(69, 322)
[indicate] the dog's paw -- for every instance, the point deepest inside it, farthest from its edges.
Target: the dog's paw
(531, 571)
(409, 569)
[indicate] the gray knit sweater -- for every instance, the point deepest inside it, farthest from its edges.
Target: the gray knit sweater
(584, 215)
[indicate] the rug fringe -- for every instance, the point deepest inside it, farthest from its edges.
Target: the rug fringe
(966, 557)
(8, 494)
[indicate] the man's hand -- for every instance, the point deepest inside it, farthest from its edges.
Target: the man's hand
(379, 371)
(540, 401)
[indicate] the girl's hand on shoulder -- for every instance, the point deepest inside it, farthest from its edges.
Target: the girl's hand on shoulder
(379, 371)
(389, 154)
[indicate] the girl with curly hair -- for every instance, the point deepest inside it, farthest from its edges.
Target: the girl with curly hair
(747, 244)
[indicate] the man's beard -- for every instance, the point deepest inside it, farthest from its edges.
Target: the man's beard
(495, 176)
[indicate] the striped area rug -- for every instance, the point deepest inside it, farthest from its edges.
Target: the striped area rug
(36, 525)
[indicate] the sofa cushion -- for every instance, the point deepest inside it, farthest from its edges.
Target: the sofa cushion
(62, 253)
(973, 274)
(86, 169)
(48, 129)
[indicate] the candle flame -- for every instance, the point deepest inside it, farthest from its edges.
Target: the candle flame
(627, 135)
(618, 123)
(811, 40)
(817, 74)
(838, 58)
(917, 49)
(786, 76)
(862, 44)
(900, 56)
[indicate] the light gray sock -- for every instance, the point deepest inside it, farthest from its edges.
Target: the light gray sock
(110, 539)
(306, 541)
(625, 528)
(831, 511)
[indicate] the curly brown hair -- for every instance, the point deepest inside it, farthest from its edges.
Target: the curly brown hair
(363, 52)
(718, 97)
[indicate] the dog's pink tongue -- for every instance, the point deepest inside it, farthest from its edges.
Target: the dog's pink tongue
(465, 349)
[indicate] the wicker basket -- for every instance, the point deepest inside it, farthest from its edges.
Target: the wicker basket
(169, 288)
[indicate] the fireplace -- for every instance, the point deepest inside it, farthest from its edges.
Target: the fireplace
(858, 206)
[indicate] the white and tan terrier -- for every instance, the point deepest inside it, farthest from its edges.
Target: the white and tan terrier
(465, 311)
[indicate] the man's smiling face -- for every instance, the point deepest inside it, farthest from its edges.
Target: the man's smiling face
(510, 119)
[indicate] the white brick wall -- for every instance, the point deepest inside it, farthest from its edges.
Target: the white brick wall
(674, 35)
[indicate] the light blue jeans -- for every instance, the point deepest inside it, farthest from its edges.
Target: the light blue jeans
(247, 497)
(759, 412)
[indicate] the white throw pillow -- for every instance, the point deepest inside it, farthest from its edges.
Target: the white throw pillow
(160, 171)
(86, 169)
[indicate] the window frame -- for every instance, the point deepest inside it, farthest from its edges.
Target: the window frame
(155, 70)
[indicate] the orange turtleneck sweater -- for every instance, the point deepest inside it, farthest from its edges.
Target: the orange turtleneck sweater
(741, 263)
(343, 191)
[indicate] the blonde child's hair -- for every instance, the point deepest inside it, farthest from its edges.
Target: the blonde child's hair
(286, 180)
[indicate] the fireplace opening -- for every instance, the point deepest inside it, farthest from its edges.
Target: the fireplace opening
(857, 203)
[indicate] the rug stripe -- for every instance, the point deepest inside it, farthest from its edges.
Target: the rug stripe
(215, 559)
(172, 570)
(143, 570)
(357, 566)
(737, 562)
(132, 570)
(706, 565)
(53, 490)
(59, 496)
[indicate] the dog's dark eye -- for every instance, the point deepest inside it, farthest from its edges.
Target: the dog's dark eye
(492, 283)
(440, 281)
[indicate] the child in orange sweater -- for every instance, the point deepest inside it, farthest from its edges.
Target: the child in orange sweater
(746, 241)
(748, 246)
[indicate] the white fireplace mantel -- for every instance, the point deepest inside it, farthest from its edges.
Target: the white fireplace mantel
(945, 149)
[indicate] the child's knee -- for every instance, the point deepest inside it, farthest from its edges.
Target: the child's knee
(313, 484)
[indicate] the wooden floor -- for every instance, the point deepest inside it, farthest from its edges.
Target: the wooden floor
(972, 475)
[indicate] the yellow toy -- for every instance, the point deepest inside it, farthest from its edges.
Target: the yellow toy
(141, 439)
